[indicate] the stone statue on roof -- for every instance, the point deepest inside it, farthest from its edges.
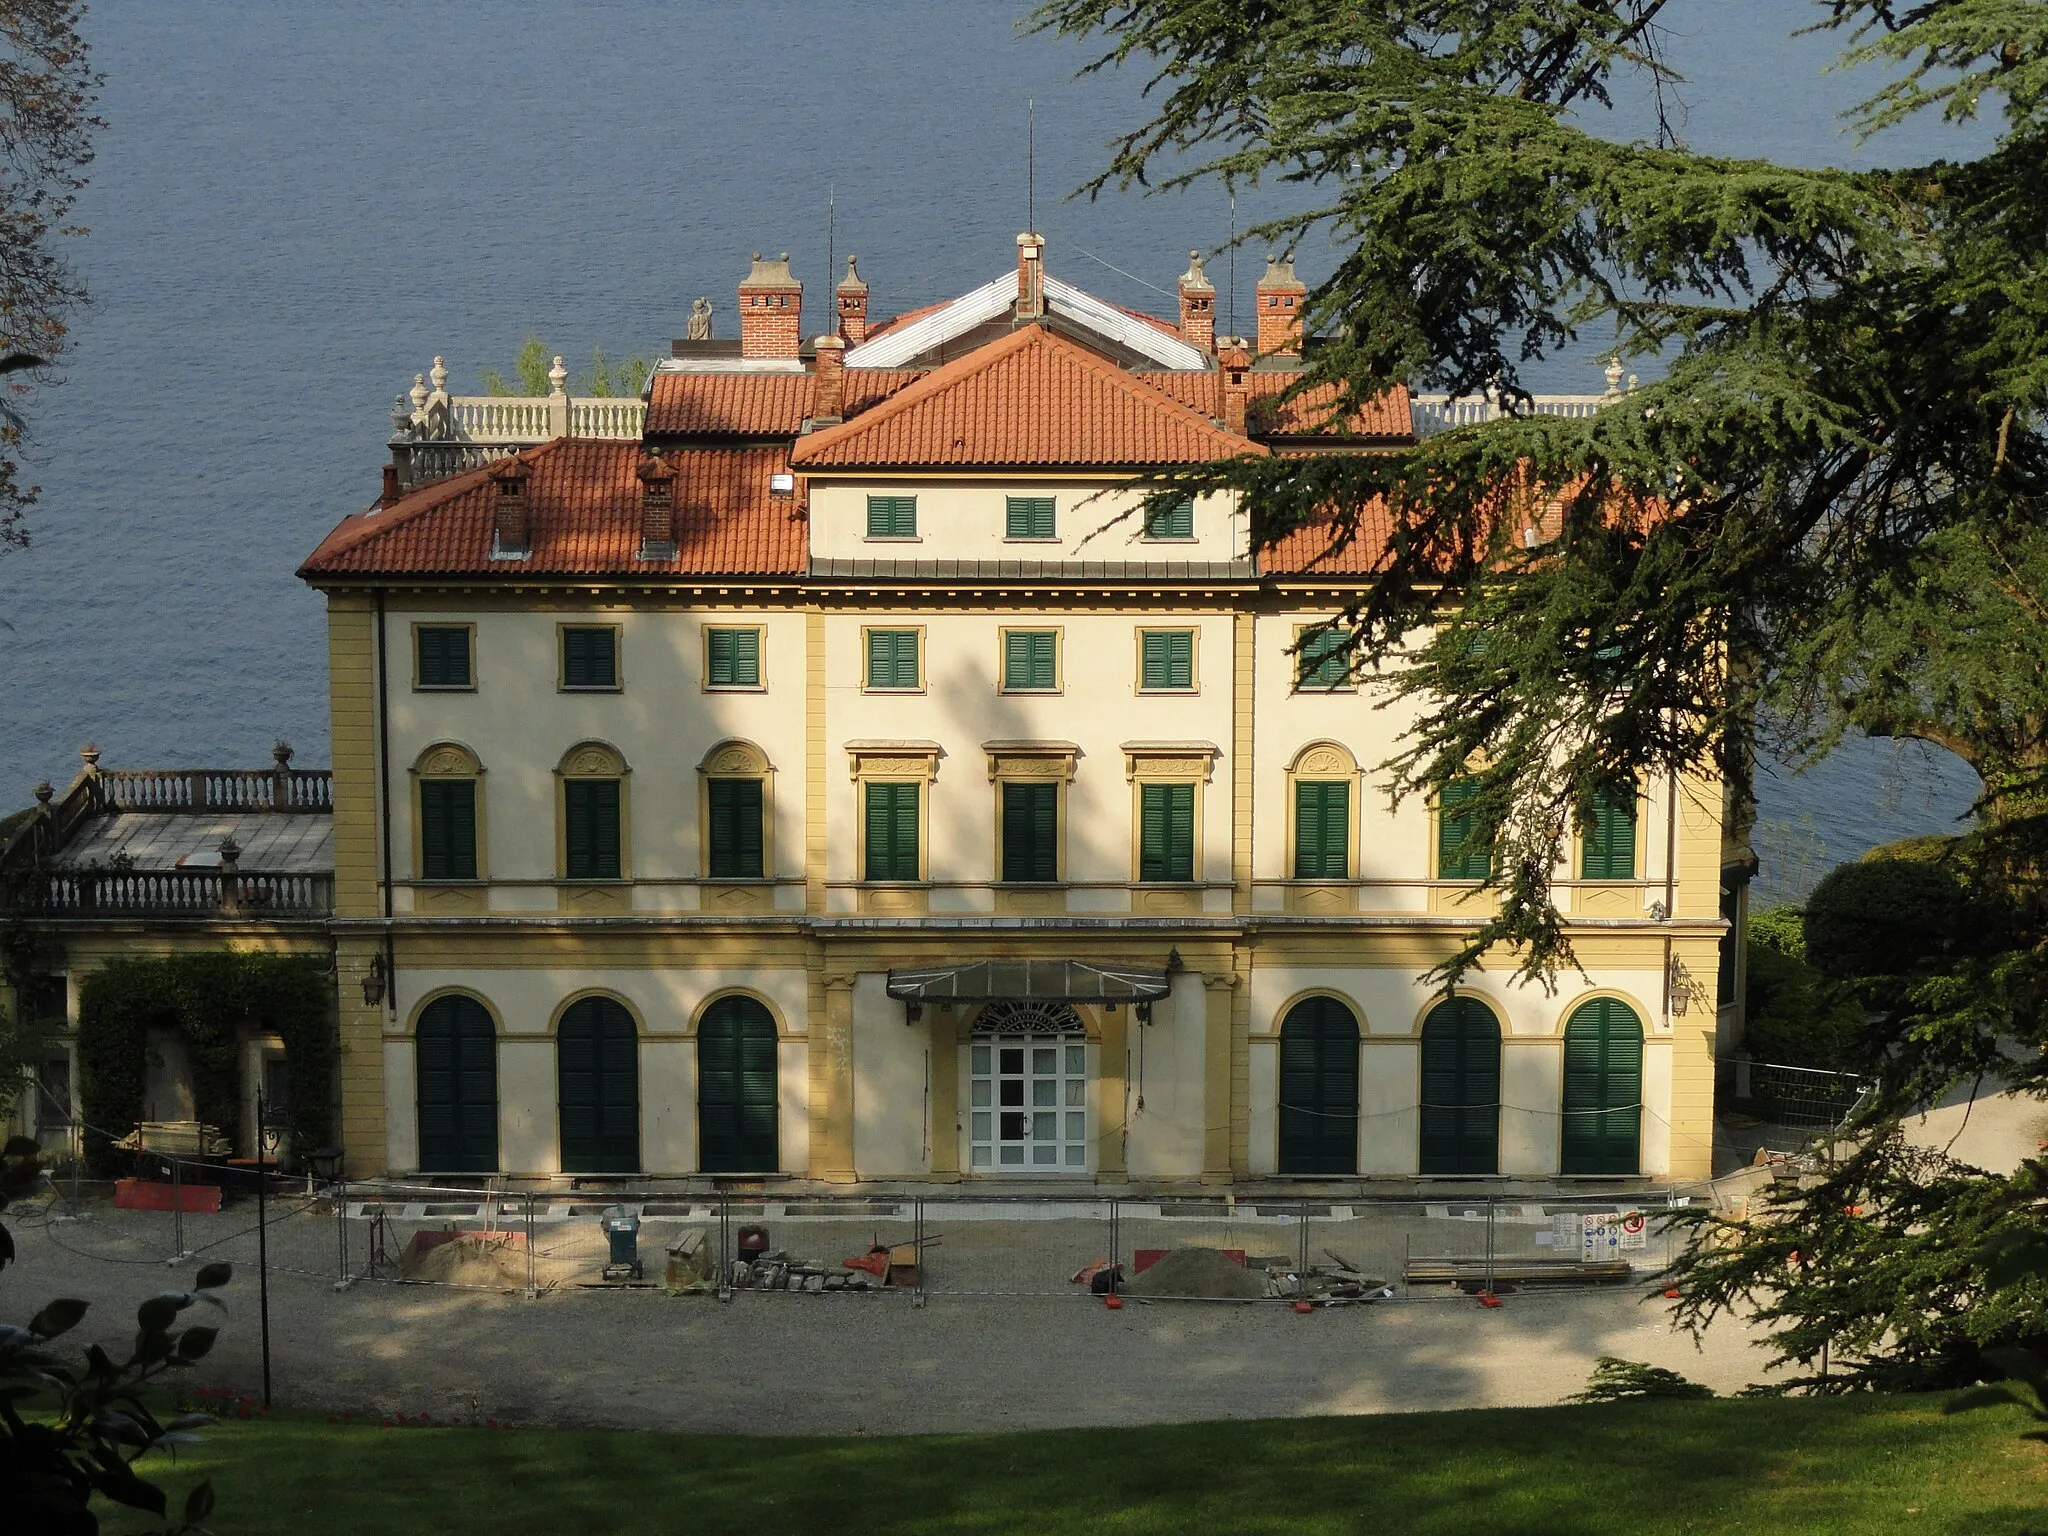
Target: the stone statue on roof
(700, 320)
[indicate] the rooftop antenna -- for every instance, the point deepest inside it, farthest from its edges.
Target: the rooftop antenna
(1233, 261)
(1030, 167)
(831, 249)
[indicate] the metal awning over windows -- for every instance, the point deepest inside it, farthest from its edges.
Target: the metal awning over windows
(1062, 981)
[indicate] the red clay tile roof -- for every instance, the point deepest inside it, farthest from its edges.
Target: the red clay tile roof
(756, 404)
(584, 512)
(1312, 551)
(1304, 415)
(1031, 399)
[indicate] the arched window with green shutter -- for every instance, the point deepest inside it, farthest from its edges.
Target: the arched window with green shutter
(1461, 1088)
(736, 1088)
(597, 1078)
(455, 1061)
(1319, 1088)
(1603, 1089)
(1608, 850)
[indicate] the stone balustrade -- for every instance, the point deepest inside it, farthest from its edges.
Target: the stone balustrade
(436, 434)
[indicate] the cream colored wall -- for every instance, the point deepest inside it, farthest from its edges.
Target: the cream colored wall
(662, 720)
(1166, 1072)
(965, 519)
(1099, 709)
(891, 1102)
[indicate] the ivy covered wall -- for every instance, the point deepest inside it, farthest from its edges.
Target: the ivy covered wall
(215, 998)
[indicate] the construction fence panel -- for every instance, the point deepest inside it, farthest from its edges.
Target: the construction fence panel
(1205, 1249)
(809, 1247)
(1023, 1247)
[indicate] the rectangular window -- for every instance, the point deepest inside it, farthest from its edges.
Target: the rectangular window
(447, 829)
(892, 658)
(1166, 831)
(1167, 658)
(732, 658)
(1029, 517)
(590, 656)
(1030, 660)
(590, 810)
(892, 830)
(1031, 832)
(734, 814)
(1610, 839)
(1174, 522)
(1322, 830)
(441, 656)
(892, 517)
(1458, 855)
(1322, 661)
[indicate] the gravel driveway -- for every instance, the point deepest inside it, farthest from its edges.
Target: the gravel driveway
(836, 1364)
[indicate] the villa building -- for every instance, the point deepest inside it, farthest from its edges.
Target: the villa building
(826, 770)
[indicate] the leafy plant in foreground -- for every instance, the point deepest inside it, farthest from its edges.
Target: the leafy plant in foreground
(53, 1465)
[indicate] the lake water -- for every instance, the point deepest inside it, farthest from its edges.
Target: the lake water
(295, 208)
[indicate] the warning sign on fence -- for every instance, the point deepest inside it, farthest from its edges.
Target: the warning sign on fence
(1609, 1234)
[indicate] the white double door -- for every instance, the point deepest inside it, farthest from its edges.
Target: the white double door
(1027, 1098)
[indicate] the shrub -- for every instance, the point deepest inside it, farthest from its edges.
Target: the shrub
(1885, 918)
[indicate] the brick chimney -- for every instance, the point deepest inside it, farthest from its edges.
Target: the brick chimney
(852, 295)
(771, 310)
(1197, 306)
(1030, 277)
(1233, 369)
(657, 509)
(1280, 294)
(511, 518)
(829, 403)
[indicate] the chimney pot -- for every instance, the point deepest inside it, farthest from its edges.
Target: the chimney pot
(1030, 276)
(771, 310)
(657, 508)
(853, 305)
(1233, 366)
(1279, 299)
(1197, 306)
(511, 523)
(829, 406)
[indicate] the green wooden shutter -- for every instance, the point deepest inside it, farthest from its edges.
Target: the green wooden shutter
(1322, 830)
(591, 828)
(597, 1093)
(892, 658)
(734, 811)
(590, 657)
(1168, 658)
(1321, 662)
(735, 658)
(447, 829)
(1174, 522)
(737, 1097)
(1030, 832)
(1030, 658)
(455, 1057)
(1603, 1089)
(892, 517)
(1610, 839)
(443, 657)
(1457, 857)
(1029, 517)
(1460, 1110)
(1166, 832)
(1319, 1088)
(891, 812)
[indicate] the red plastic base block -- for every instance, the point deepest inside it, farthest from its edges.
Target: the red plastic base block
(150, 1195)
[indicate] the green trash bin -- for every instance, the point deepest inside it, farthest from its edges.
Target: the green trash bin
(622, 1234)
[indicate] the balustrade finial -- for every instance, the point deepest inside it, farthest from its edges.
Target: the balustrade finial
(91, 755)
(439, 375)
(558, 377)
(282, 752)
(1614, 378)
(44, 791)
(230, 851)
(419, 392)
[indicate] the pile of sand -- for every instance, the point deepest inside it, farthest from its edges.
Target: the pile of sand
(490, 1260)
(1205, 1273)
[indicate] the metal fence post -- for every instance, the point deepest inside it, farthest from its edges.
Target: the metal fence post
(341, 1235)
(1491, 1201)
(1301, 1271)
(724, 1245)
(178, 1253)
(1116, 1244)
(532, 1266)
(918, 1249)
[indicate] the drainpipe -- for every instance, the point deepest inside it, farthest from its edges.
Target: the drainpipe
(384, 801)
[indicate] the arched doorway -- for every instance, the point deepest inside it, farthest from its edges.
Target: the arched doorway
(455, 1052)
(1319, 1088)
(736, 1088)
(1027, 1089)
(597, 1083)
(1603, 1089)
(1461, 1088)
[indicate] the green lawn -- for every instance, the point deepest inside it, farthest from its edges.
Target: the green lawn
(1877, 1465)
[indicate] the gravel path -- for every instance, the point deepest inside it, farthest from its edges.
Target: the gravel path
(840, 1364)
